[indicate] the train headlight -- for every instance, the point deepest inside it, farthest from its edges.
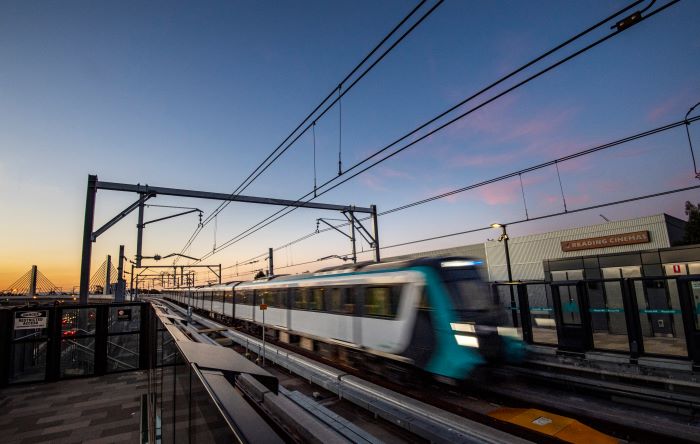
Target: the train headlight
(464, 328)
(467, 341)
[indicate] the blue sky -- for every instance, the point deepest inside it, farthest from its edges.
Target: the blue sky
(194, 95)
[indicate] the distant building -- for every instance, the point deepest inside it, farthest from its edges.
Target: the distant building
(635, 247)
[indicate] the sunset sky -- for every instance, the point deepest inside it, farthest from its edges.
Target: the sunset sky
(195, 94)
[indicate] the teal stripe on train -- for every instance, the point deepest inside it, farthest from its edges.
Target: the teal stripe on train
(449, 359)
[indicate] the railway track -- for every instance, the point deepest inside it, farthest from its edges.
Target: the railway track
(524, 389)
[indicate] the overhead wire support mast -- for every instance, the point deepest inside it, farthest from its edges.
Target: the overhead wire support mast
(146, 192)
(274, 217)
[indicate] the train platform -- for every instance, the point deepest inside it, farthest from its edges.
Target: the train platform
(101, 409)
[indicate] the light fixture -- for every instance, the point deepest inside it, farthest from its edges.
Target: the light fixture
(496, 225)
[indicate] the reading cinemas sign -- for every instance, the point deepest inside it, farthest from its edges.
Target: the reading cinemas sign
(637, 237)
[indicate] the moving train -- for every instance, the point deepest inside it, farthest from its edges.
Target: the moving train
(433, 314)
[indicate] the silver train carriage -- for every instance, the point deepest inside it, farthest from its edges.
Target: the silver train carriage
(436, 314)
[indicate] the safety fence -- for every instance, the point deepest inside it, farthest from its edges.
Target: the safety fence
(642, 316)
(53, 342)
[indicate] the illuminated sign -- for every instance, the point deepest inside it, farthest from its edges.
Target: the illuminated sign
(614, 240)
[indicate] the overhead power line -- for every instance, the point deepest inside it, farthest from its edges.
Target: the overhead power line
(510, 175)
(313, 114)
(284, 211)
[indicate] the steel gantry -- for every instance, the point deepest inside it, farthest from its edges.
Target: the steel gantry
(146, 192)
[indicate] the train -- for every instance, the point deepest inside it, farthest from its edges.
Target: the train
(432, 315)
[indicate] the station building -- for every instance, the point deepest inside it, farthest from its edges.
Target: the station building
(608, 286)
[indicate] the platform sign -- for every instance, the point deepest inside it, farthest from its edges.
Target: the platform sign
(263, 306)
(31, 320)
(123, 314)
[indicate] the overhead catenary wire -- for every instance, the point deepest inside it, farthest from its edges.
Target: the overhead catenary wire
(267, 161)
(690, 141)
(520, 221)
(283, 212)
(519, 173)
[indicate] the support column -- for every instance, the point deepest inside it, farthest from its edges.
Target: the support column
(32, 282)
(108, 275)
(271, 270)
(375, 232)
(139, 233)
(352, 237)
(119, 291)
(87, 238)
(131, 285)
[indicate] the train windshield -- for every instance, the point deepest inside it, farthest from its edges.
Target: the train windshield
(467, 290)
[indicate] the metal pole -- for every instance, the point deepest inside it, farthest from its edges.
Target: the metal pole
(139, 233)
(270, 260)
(87, 238)
(119, 292)
(32, 282)
(131, 285)
(108, 277)
(182, 275)
(352, 238)
(219, 274)
(263, 347)
(375, 224)
(513, 306)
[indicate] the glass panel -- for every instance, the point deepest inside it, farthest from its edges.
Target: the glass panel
(695, 294)
(507, 305)
(78, 321)
(568, 296)
(124, 319)
(608, 315)
(207, 424)
(544, 324)
(660, 315)
(28, 362)
(77, 356)
(122, 352)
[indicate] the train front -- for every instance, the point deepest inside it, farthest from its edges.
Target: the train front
(473, 319)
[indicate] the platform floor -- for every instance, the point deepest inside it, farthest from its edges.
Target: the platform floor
(97, 410)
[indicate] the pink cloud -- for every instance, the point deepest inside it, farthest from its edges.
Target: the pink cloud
(394, 173)
(681, 179)
(464, 160)
(670, 106)
(500, 193)
(372, 182)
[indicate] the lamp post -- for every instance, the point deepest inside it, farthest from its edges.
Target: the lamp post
(504, 238)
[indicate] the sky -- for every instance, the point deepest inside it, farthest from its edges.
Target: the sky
(195, 95)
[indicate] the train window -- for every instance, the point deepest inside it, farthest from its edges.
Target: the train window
(244, 297)
(340, 301)
(467, 291)
(316, 301)
(300, 298)
(265, 296)
(382, 301)
(423, 303)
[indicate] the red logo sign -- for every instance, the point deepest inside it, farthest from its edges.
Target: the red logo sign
(676, 268)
